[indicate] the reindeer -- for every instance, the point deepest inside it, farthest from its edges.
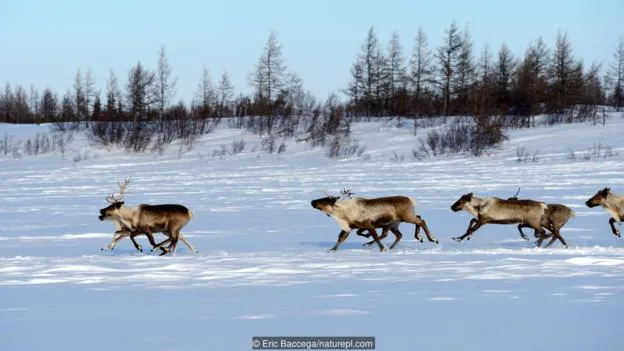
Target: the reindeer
(123, 232)
(146, 219)
(614, 204)
(526, 213)
(368, 214)
(346, 193)
(555, 217)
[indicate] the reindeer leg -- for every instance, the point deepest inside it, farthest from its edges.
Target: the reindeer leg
(398, 235)
(361, 231)
(469, 232)
(615, 231)
(373, 232)
(384, 234)
(522, 235)
(556, 235)
(136, 245)
(150, 237)
(119, 234)
(552, 240)
(417, 231)
(188, 244)
(419, 222)
(341, 237)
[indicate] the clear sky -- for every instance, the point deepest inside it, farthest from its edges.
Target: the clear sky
(44, 42)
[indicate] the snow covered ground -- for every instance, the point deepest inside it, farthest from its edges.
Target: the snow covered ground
(263, 267)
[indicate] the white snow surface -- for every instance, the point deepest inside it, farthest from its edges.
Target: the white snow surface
(263, 268)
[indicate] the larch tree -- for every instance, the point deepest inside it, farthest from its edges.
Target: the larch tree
(225, 94)
(504, 73)
(447, 57)
(396, 65)
(270, 72)
(421, 68)
(49, 105)
(464, 79)
(164, 83)
(616, 75)
(561, 73)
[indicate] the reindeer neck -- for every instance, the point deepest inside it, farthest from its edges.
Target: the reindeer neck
(127, 213)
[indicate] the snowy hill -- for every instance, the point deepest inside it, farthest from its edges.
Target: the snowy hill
(263, 266)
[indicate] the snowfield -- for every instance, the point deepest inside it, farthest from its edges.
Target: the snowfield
(263, 268)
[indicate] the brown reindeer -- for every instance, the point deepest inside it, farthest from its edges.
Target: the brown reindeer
(347, 194)
(612, 203)
(527, 213)
(368, 214)
(146, 219)
(121, 231)
(555, 217)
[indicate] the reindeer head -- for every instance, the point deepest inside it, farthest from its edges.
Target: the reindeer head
(462, 202)
(598, 199)
(325, 204)
(112, 210)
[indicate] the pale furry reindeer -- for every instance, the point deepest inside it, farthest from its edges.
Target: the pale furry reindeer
(146, 219)
(121, 231)
(394, 227)
(526, 213)
(614, 204)
(368, 214)
(555, 217)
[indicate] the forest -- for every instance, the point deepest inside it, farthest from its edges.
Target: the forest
(492, 88)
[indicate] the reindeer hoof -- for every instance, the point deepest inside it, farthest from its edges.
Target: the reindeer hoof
(436, 241)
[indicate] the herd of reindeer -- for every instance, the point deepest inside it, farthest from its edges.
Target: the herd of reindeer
(366, 215)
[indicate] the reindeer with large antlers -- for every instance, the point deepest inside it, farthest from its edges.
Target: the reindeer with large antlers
(168, 219)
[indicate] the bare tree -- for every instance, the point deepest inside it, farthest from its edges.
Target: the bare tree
(20, 105)
(270, 71)
(225, 93)
(396, 65)
(49, 105)
(6, 104)
(80, 106)
(464, 80)
(421, 70)
(505, 67)
(164, 84)
(33, 104)
(205, 99)
(561, 71)
(617, 75)
(89, 95)
(447, 56)
(114, 99)
(483, 97)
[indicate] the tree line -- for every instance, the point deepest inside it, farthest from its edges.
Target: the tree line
(450, 79)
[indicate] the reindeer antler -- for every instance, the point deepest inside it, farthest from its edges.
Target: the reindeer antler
(122, 191)
(346, 192)
(515, 197)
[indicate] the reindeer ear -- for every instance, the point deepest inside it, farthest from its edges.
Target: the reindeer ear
(118, 204)
(605, 192)
(469, 194)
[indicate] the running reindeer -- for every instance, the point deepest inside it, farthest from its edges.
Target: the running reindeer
(555, 217)
(612, 203)
(525, 213)
(168, 219)
(393, 227)
(368, 214)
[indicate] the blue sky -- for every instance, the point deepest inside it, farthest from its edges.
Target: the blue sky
(44, 42)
